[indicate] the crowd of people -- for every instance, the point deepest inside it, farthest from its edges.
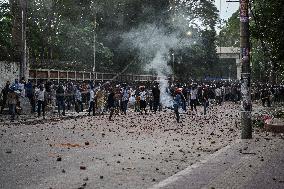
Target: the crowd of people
(116, 98)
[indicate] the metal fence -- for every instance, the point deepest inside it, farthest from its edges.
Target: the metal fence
(61, 75)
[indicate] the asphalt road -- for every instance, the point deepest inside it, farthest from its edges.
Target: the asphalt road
(133, 151)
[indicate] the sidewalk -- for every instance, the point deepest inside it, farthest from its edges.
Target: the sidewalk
(256, 163)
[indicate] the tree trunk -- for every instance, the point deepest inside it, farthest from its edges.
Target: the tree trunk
(19, 13)
(16, 29)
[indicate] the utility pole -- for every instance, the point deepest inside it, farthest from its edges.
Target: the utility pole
(246, 106)
(23, 59)
(94, 65)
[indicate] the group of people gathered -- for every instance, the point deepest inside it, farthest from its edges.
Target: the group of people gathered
(116, 98)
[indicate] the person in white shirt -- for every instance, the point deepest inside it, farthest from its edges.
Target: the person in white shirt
(91, 102)
(78, 100)
(143, 103)
(193, 98)
(125, 98)
(41, 97)
(218, 94)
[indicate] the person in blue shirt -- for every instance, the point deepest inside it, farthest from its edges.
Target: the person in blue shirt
(30, 94)
(177, 103)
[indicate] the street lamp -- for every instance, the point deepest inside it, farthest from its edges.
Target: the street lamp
(189, 33)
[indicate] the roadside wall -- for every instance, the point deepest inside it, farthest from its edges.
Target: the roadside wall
(8, 71)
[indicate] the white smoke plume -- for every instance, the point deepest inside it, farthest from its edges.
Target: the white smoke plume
(153, 43)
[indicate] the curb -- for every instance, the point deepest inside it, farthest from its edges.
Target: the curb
(274, 128)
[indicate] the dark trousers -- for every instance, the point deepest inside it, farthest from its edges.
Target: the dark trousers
(205, 105)
(61, 105)
(3, 105)
(91, 107)
(151, 103)
(184, 105)
(193, 103)
(111, 111)
(69, 102)
(177, 114)
(12, 110)
(124, 106)
(79, 106)
(156, 104)
(40, 108)
(218, 100)
(33, 104)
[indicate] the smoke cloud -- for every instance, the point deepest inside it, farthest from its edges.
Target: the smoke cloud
(154, 43)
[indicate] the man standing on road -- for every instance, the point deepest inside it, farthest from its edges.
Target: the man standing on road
(100, 96)
(218, 95)
(205, 98)
(41, 101)
(30, 95)
(5, 92)
(12, 101)
(60, 99)
(111, 103)
(78, 100)
(177, 102)
(193, 98)
(143, 103)
(125, 99)
(156, 97)
(91, 102)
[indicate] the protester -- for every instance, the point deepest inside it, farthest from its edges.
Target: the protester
(100, 98)
(12, 102)
(60, 99)
(78, 100)
(205, 98)
(143, 103)
(125, 99)
(177, 102)
(111, 103)
(91, 102)
(5, 92)
(218, 95)
(30, 94)
(193, 98)
(111, 97)
(41, 101)
(156, 97)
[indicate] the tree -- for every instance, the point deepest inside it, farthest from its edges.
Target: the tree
(5, 32)
(267, 48)
(63, 30)
(229, 35)
(267, 29)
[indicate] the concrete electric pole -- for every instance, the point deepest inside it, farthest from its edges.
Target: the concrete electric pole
(246, 106)
(94, 65)
(23, 59)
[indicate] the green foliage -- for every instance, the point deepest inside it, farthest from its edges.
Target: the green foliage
(267, 48)
(258, 123)
(5, 32)
(267, 29)
(259, 120)
(229, 35)
(63, 31)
